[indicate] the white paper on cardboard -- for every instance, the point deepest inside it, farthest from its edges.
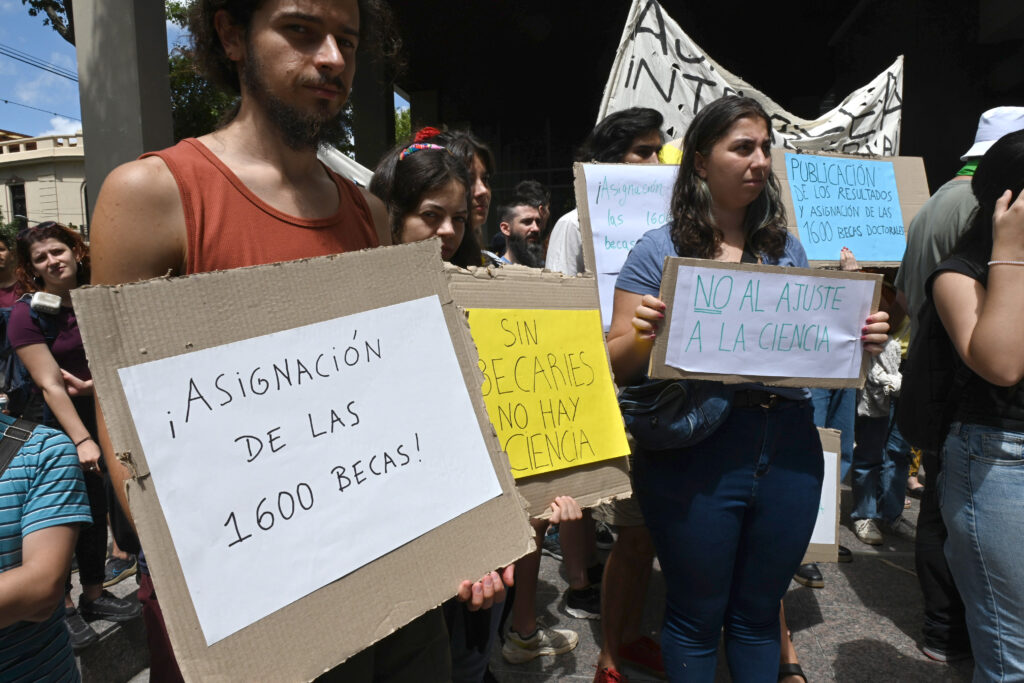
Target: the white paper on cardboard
(825, 525)
(624, 202)
(307, 454)
(746, 322)
(606, 296)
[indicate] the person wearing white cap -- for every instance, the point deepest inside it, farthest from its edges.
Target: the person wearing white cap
(931, 236)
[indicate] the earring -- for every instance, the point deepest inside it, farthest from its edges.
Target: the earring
(78, 264)
(38, 280)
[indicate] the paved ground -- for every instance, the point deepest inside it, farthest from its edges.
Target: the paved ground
(863, 626)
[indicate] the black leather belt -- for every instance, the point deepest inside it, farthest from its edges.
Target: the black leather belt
(752, 398)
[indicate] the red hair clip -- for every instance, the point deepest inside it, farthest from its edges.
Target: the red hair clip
(426, 133)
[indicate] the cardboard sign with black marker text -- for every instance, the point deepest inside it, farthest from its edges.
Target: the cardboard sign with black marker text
(792, 327)
(547, 382)
(300, 461)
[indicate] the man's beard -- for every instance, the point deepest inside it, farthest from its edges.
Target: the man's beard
(525, 252)
(299, 130)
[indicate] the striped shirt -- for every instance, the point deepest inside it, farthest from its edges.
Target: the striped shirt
(41, 488)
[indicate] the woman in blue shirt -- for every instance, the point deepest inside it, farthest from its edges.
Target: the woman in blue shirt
(732, 515)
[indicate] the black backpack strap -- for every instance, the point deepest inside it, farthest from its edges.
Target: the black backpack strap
(12, 439)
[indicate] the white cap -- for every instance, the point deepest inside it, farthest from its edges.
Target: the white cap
(994, 124)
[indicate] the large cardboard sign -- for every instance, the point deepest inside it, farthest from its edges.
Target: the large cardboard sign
(618, 203)
(533, 328)
(307, 439)
(547, 387)
(658, 66)
(834, 201)
(780, 326)
(824, 545)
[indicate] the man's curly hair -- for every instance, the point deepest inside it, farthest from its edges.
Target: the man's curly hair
(378, 37)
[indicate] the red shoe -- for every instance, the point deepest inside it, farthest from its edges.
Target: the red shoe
(606, 675)
(645, 654)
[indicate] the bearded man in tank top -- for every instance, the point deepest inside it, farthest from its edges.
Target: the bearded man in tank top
(254, 192)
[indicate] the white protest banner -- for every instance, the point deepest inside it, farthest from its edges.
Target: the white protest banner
(658, 66)
(622, 202)
(301, 426)
(782, 326)
(842, 202)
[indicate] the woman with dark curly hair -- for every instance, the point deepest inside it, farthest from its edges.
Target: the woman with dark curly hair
(54, 259)
(732, 515)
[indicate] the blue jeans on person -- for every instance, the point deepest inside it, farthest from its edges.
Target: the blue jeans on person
(981, 491)
(837, 409)
(880, 468)
(731, 518)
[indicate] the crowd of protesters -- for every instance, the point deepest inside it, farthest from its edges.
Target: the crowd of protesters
(253, 192)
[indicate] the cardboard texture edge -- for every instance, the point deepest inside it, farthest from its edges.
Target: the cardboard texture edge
(827, 552)
(911, 183)
(583, 210)
(322, 629)
(657, 368)
(518, 287)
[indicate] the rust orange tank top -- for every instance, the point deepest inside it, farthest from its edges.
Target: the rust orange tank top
(230, 227)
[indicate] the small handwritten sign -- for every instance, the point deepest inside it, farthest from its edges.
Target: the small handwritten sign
(623, 201)
(778, 325)
(324, 447)
(842, 202)
(548, 388)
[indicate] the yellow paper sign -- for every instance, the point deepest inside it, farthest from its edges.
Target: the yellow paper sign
(548, 388)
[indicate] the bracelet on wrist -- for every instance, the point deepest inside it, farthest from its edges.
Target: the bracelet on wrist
(79, 443)
(1006, 263)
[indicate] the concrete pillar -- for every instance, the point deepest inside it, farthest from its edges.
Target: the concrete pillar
(373, 105)
(123, 84)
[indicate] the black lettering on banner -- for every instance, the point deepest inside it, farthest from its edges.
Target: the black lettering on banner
(660, 33)
(689, 59)
(642, 66)
(891, 95)
(701, 82)
(853, 123)
(783, 119)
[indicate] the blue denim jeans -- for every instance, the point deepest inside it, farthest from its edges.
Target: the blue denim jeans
(879, 472)
(837, 409)
(981, 491)
(731, 518)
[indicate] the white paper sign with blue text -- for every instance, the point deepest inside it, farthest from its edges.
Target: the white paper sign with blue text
(622, 202)
(327, 446)
(782, 326)
(842, 202)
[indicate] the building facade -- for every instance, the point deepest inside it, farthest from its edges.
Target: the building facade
(43, 179)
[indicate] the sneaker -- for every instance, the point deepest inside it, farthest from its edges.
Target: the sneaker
(809, 575)
(606, 675)
(118, 570)
(605, 539)
(544, 641)
(645, 654)
(81, 634)
(584, 603)
(109, 607)
(552, 546)
(939, 655)
(595, 573)
(867, 531)
(902, 528)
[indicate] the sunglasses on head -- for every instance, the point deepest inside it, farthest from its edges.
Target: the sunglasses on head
(24, 232)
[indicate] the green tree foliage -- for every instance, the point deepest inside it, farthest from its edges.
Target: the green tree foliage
(56, 13)
(403, 124)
